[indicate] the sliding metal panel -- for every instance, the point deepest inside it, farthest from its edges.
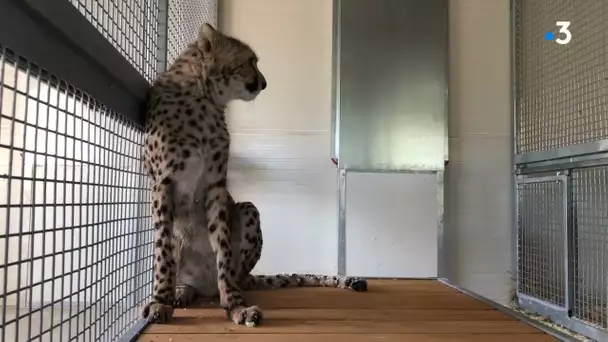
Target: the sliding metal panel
(541, 224)
(392, 87)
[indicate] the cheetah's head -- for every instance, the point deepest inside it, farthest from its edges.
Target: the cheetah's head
(232, 63)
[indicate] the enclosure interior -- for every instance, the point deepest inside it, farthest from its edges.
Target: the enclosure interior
(360, 160)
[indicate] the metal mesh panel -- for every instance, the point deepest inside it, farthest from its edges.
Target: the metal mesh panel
(130, 25)
(75, 248)
(562, 90)
(590, 208)
(185, 18)
(541, 241)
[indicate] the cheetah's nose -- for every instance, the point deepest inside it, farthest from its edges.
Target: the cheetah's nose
(264, 84)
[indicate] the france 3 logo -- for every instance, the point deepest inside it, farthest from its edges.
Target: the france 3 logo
(564, 35)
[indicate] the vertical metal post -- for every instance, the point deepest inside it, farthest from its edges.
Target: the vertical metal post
(568, 244)
(514, 193)
(441, 271)
(163, 24)
(335, 84)
(9, 179)
(342, 222)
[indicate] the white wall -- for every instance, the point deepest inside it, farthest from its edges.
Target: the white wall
(281, 143)
(478, 186)
(280, 149)
(391, 225)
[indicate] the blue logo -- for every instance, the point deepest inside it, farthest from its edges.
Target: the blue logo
(549, 36)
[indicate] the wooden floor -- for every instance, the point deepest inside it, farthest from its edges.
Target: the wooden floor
(391, 311)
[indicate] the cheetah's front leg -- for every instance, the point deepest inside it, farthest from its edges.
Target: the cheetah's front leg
(160, 308)
(231, 296)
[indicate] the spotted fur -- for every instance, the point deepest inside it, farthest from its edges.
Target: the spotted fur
(206, 244)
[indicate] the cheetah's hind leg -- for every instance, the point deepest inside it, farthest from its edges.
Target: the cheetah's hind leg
(246, 223)
(184, 296)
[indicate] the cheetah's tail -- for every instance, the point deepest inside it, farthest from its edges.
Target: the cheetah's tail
(264, 282)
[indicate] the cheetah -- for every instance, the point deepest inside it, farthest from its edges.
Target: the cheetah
(206, 244)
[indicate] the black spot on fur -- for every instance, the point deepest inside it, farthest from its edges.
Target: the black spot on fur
(224, 244)
(218, 184)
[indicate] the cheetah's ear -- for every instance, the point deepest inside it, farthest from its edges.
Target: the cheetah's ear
(206, 40)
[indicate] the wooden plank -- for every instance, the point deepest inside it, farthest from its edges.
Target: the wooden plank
(349, 338)
(189, 325)
(404, 310)
(366, 300)
(410, 285)
(359, 314)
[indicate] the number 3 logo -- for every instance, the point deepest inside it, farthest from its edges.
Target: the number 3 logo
(563, 28)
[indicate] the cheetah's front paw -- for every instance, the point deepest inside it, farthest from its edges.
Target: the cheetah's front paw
(157, 313)
(250, 316)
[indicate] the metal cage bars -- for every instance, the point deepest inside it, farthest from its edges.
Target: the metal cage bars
(561, 161)
(184, 19)
(562, 247)
(75, 257)
(75, 243)
(132, 26)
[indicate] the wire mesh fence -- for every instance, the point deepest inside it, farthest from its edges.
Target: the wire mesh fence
(131, 26)
(185, 18)
(541, 234)
(590, 212)
(75, 243)
(562, 90)
(75, 230)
